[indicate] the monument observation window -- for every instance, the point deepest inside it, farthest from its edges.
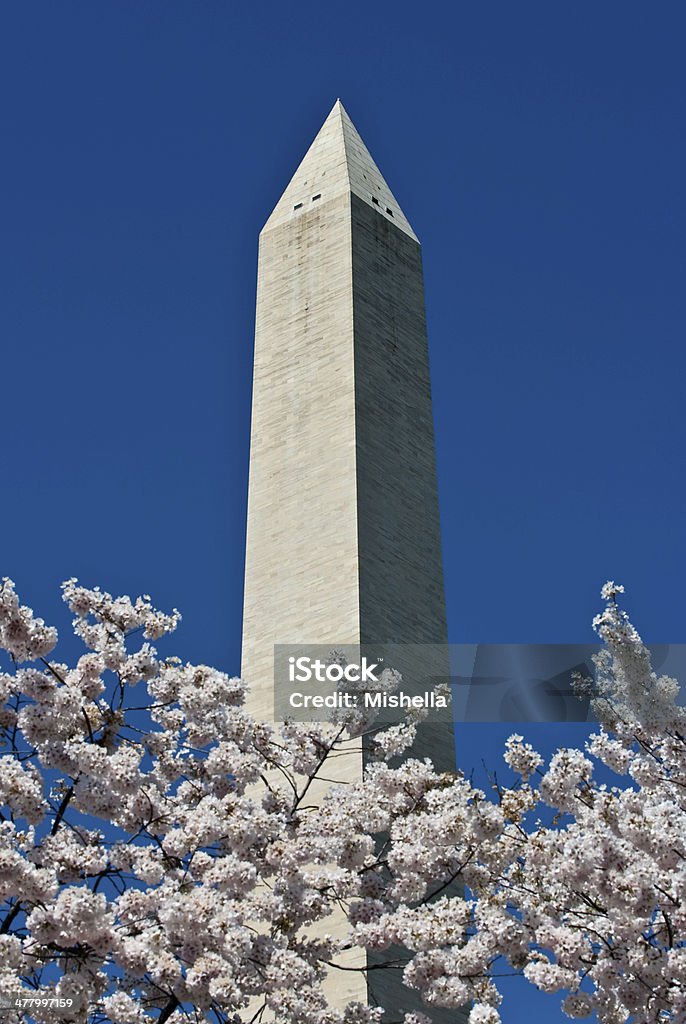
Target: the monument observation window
(297, 206)
(318, 196)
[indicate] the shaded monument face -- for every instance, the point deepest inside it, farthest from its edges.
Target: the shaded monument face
(343, 536)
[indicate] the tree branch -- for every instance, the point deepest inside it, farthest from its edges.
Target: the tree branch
(168, 1009)
(7, 923)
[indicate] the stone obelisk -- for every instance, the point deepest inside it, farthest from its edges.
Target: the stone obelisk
(343, 535)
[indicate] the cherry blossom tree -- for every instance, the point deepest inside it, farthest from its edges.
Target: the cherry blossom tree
(160, 856)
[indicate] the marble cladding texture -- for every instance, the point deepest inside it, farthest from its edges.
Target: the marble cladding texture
(343, 536)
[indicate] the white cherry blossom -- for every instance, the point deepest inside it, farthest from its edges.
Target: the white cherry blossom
(159, 856)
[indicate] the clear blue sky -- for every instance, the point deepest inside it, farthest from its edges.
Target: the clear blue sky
(538, 150)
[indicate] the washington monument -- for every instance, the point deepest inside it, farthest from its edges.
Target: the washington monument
(343, 535)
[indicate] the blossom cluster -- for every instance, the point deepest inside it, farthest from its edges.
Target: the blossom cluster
(164, 853)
